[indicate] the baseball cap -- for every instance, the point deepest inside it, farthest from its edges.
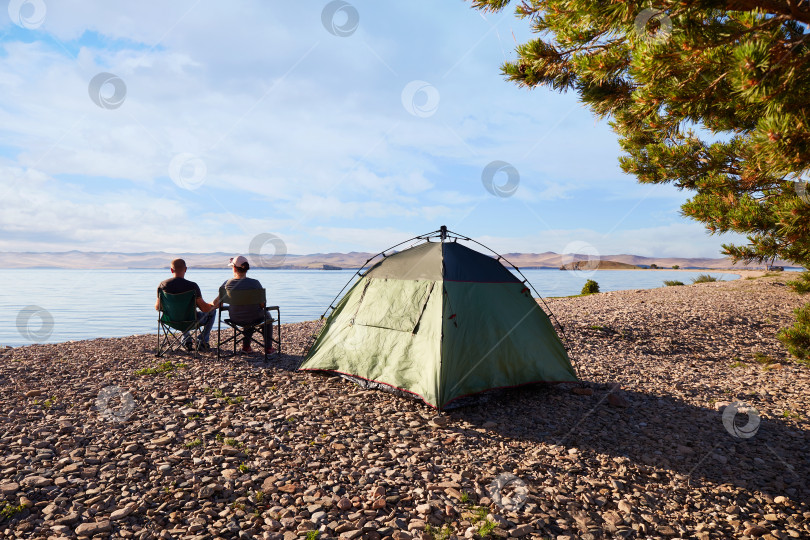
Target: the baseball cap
(239, 262)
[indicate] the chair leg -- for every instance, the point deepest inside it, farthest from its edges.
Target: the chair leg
(267, 337)
(278, 324)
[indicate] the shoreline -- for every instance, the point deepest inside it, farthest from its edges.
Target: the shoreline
(354, 269)
(74, 331)
(741, 273)
(213, 448)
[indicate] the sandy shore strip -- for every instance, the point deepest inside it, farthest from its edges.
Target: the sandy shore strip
(90, 446)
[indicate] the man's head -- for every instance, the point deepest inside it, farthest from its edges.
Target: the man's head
(178, 267)
(240, 265)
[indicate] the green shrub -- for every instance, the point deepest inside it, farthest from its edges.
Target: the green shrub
(672, 282)
(797, 337)
(675, 266)
(590, 287)
(801, 285)
(704, 278)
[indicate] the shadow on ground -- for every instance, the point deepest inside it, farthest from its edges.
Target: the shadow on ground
(658, 431)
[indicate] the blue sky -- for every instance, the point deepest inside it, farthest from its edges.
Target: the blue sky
(231, 120)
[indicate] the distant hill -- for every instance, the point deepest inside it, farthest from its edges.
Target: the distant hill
(550, 259)
(319, 261)
(598, 264)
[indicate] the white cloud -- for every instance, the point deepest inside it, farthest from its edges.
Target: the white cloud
(301, 131)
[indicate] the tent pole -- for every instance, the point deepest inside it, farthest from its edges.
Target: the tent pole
(426, 236)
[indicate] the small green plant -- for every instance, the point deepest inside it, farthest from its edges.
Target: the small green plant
(479, 514)
(737, 364)
(243, 468)
(675, 266)
(704, 278)
(802, 284)
(291, 419)
(465, 497)
(165, 367)
(313, 535)
(791, 414)
(259, 497)
(796, 338)
(192, 444)
(219, 437)
(439, 534)
(763, 359)
(218, 393)
(230, 441)
(596, 327)
(672, 282)
(486, 528)
(229, 400)
(238, 506)
(590, 287)
(9, 510)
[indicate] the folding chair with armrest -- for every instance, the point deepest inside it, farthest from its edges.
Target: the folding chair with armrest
(264, 324)
(177, 314)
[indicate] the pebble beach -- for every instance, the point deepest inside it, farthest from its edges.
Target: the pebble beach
(98, 439)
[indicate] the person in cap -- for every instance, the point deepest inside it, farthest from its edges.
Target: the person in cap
(206, 314)
(246, 315)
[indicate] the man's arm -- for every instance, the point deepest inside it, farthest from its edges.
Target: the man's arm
(157, 304)
(204, 306)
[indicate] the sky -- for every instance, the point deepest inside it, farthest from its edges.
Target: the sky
(305, 127)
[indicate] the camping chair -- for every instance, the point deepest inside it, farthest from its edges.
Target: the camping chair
(249, 297)
(177, 315)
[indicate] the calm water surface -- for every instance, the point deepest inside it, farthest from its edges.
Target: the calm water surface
(86, 304)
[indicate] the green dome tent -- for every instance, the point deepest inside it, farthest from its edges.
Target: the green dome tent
(441, 321)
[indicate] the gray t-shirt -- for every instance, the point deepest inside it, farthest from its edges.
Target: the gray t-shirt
(244, 313)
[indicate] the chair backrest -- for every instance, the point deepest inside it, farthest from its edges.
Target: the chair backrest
(242, 297)
(178, 308)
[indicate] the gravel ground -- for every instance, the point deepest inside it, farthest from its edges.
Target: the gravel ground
(241, 449)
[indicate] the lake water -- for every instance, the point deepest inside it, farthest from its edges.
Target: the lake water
(54, 305)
